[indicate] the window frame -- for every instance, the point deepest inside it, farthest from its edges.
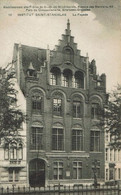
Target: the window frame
(12, 152)
(95, 109)
(57, 106)
(77, 109)
(78, 169)
(13, 172)
(36, 137)
(58, 139)
(53, 78)
(65, 80)
(37, 101)
(58, 169)
(96, 146)
(77, 140)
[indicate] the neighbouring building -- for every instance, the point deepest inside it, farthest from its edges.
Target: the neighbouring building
(13, 164)
(112, 160)
(65, 97)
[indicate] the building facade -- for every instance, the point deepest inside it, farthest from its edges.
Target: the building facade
(65, 98)
(13, 166)
(112, 160)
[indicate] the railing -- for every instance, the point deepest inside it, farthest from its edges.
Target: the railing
(63, 190)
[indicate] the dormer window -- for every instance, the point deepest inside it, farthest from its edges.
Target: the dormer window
(31, 71)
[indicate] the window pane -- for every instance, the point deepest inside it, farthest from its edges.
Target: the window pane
(57, 139)
(58, 170)
(36, 138)
(76, 109)
(20, 152)
(77, 140)
(95, 111)
(10, 175)
(95, 141)
(77, 170)
(16, 172)
(57, 107)
(36, 103)
(6, 153)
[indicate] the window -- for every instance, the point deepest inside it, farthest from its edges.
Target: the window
(106, 136)
(79, 80)
(77, 109)
(77, 140)
(58, 170)
(53, 78)
(68, 53)
(77, 170)
(57, 106)
(57, 139)
(95, 111)
(111, 154)
(106, 154)
(98, 169)
(36, 138)
(95, 141)
(106, 176)
(13, 152)
(65, 81)
(119, 173)
(119, 155)
(6, 152)
(13, 175)
(111, 173)
(20, 152)
(36, 103)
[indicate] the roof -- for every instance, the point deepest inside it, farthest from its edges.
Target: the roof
(33, 55)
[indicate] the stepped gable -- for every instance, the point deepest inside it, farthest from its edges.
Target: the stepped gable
(67, 46)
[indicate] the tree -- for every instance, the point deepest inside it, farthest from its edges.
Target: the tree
(113, 117)
(11, 117)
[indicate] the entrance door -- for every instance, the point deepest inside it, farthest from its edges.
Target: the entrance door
(37, 173)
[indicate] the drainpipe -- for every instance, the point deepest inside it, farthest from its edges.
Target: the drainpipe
(48, 64)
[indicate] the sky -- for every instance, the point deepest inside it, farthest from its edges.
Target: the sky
(98, 33)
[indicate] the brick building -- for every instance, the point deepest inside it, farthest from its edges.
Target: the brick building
(64, 97)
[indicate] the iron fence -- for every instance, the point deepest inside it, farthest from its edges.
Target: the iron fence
(63, 190)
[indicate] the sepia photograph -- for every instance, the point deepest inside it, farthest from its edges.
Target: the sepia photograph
(60, 97)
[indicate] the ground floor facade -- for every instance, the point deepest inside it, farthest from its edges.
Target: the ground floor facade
(64, 169)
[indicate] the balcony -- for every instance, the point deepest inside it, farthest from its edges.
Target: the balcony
(15, 161)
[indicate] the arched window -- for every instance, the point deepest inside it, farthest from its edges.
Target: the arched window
(37, 102)
(68, 54)
(13, 151)
(79, 79)
(77, 110)
(67, 78)
(58, 104)
(96, 107)
(55, 76)
(6, 152)
(20, 152)
(95, 111)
